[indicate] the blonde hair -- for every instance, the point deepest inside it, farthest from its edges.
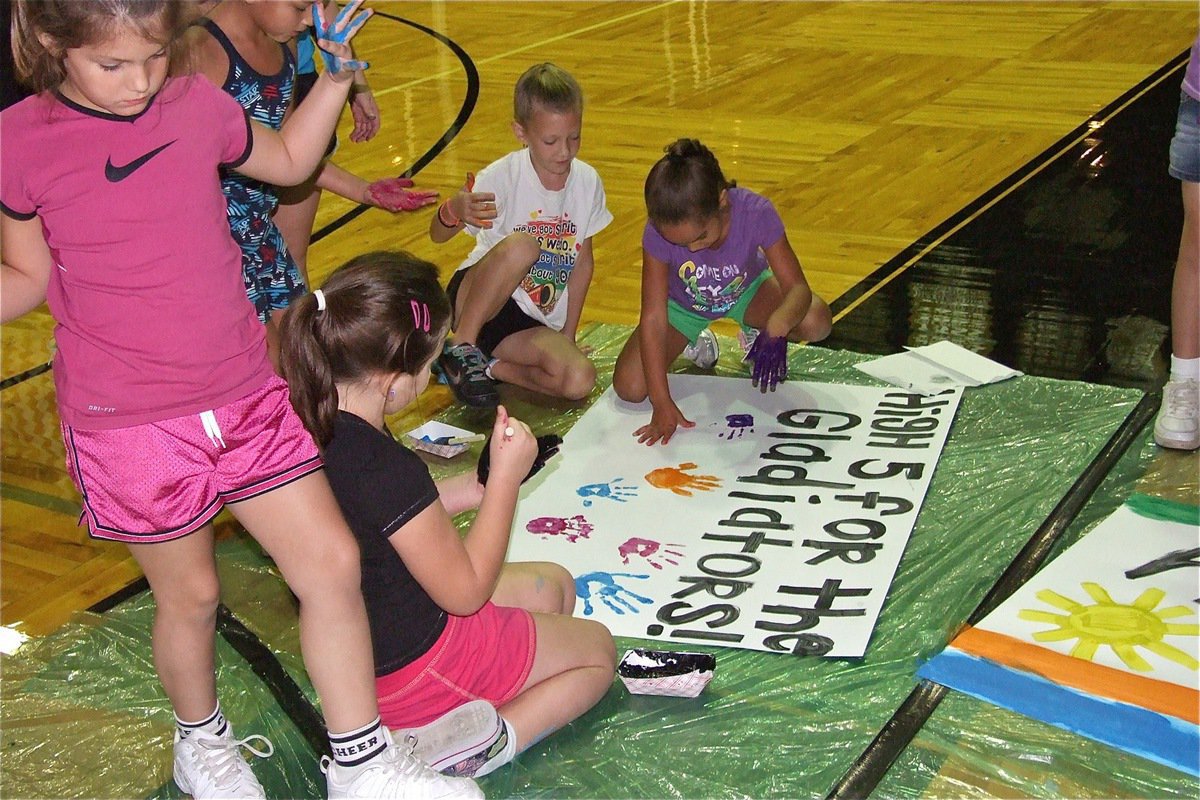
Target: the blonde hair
(75, 23)
(546, 86)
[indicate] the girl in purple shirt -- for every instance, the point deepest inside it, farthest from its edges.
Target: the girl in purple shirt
(710, 251)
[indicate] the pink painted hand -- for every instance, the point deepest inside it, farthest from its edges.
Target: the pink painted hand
(395, 194)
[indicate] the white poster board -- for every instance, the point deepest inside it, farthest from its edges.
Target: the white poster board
(776, 523)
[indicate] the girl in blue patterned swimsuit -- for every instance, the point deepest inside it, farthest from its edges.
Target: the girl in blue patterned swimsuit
(246, 53)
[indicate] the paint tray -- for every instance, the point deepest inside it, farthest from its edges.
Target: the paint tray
(425, 438)
(665, 672)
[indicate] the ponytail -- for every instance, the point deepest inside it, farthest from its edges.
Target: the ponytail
(381, 313)
(685, 184)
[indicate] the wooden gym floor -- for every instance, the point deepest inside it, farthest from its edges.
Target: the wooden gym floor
(879, 130)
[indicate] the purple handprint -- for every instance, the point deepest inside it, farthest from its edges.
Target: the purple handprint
(574, 528)
(737, 424)
(649, 550)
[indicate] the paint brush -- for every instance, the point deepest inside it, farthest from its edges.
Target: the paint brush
(453, 440)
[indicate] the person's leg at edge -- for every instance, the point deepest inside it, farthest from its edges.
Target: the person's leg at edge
(489, 283)
(573, 667)
(1185, 289)
(545, 361)
(182, 574)
(322, 569)
(629, 379)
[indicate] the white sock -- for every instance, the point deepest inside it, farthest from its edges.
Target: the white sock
(1185, 369)
(214, 723)
(506, 756)
(358, 747)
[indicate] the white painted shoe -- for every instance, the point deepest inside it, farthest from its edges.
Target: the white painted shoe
(397, 773)
(210, 766)
(470, 741)
(1177, 426)
(703, 352)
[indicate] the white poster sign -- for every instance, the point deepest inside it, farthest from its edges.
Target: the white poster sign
(776, 523)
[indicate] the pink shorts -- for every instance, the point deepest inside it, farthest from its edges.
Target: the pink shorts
(163, 480)
(487, 656)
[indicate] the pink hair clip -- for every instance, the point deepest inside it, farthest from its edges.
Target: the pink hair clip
(420, 312)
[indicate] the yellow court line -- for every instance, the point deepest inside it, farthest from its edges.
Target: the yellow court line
(937, 242)
(532, 45)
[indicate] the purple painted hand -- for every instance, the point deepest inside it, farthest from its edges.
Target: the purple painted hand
(769, 356)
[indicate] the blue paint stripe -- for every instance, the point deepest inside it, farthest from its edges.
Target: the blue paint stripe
(1149, 734)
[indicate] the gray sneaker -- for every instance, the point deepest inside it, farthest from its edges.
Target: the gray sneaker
(468, 742)
(703, 352)
(465, 368)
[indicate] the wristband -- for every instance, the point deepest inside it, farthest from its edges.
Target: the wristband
(444, 212)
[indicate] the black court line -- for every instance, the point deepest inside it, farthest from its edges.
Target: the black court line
(898, 732)
(460, 121)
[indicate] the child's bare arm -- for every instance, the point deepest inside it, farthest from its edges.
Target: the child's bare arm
(461, 492)
(577, 288)
(797, 295)
(466, 206)
(460, 573)
(24, 268)
(292, 155)
(652, 332)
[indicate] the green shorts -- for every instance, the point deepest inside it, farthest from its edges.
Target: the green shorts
(689, 323)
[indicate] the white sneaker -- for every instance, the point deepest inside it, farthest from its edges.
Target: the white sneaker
(704, 351)
(467, 742)
(1176, 426)
(746, 337)
(396, 773)
(211, 766)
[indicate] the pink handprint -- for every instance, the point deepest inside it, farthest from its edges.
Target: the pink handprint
(647, 549)
(574, 528)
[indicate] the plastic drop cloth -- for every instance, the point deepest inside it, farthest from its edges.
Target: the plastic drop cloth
(83, 715)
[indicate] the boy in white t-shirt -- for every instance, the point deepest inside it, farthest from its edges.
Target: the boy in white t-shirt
(517, 297)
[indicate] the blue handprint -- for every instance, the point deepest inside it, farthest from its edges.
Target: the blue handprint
(339, 32)
(613, 490)
(608, 591)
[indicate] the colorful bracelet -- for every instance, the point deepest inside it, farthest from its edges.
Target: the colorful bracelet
(443, 212)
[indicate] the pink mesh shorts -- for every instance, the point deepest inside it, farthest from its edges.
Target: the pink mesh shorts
(163, 480)
(487, 656)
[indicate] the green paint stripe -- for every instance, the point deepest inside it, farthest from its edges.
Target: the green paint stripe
(46, 501)
(1165, 510)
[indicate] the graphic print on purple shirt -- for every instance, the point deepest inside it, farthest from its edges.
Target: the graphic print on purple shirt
(711, 281)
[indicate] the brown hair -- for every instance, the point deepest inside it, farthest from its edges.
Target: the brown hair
(385, 313)
(76, 23)
(685, 184)
(549, 87)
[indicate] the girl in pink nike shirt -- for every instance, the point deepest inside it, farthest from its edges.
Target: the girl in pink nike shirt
(113, 214)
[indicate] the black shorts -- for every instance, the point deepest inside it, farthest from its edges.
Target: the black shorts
(509, 319)
(304, 84)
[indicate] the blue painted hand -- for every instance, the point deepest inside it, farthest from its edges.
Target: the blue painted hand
(334, 38)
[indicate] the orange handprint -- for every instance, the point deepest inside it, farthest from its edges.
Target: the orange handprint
(679, 482)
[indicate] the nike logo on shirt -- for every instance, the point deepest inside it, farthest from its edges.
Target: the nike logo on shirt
(116, 174)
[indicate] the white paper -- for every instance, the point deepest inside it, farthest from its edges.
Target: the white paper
(435, 430)
(932, 368)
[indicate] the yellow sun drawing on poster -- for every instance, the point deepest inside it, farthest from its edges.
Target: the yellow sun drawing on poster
(1123, 627)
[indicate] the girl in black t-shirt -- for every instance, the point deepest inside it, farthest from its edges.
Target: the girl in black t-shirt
(450, 621)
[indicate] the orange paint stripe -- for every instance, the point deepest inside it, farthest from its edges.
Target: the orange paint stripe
(1165, 698)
